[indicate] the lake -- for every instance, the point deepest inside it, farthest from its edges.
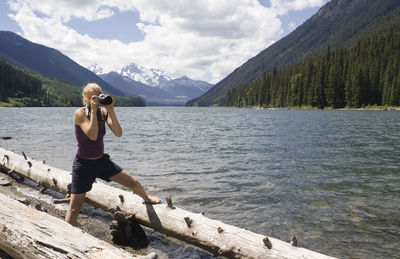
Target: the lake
(331, 178)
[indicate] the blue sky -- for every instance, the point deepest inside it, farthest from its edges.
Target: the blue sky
(203, 39)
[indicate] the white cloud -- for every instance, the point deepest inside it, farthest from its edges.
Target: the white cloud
(64, 10)
(204, 39)
(282, 7)
(292, 26)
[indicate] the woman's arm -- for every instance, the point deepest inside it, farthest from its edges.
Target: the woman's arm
(89, 127)
(112, 120)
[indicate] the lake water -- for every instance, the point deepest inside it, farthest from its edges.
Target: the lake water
(332, 178)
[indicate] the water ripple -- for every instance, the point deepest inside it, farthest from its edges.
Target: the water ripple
(329, 177)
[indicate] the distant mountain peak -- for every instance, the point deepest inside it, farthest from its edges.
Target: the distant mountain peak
(96, 68)
(148, 76)
(156, 86)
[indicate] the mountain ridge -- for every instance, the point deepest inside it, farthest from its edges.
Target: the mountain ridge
(323, 29)
(154, 85)
(366, 74)
(49, 62)
(148, 76)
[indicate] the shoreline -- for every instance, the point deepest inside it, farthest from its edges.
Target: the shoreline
(368, 108)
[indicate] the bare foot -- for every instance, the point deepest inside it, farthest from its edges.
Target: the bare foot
(152, 199)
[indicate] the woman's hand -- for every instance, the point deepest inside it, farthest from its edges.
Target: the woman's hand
(94, 103)
(110, 106)
(112, 120)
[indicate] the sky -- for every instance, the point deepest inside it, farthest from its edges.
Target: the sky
(202, 39)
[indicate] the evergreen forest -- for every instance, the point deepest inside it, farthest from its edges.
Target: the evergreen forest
(365, 74)
(20, 88)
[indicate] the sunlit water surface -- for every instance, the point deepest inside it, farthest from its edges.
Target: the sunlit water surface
(329, 177)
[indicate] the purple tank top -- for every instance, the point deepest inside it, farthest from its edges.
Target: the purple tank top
(88, 148)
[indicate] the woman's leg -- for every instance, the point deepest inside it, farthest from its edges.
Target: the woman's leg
(75, 206)
(129, 181)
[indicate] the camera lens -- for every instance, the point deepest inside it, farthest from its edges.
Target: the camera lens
(105, 99)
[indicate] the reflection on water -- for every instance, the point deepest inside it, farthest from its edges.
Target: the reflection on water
(329, 177)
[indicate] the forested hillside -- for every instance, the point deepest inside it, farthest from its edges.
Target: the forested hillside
(22, 88)
(46, 61)
(367, 73)
(337, 24)
(18, 86)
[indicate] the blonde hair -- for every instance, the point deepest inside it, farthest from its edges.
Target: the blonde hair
(90, 87)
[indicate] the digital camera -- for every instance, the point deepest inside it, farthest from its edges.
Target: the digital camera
(105, 99)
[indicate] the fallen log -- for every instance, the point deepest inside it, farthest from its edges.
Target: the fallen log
(212, 235)
(29, 233)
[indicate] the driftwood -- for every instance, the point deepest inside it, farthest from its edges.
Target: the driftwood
(29, 233)
(211, 235)
(59, 201)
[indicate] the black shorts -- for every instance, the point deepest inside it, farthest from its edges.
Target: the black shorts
(85, 172)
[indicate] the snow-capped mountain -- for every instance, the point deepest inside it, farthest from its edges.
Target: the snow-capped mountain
(96, 68)
(147, 76)
(155, 86)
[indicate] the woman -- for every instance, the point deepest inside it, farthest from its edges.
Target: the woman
(91, 162)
